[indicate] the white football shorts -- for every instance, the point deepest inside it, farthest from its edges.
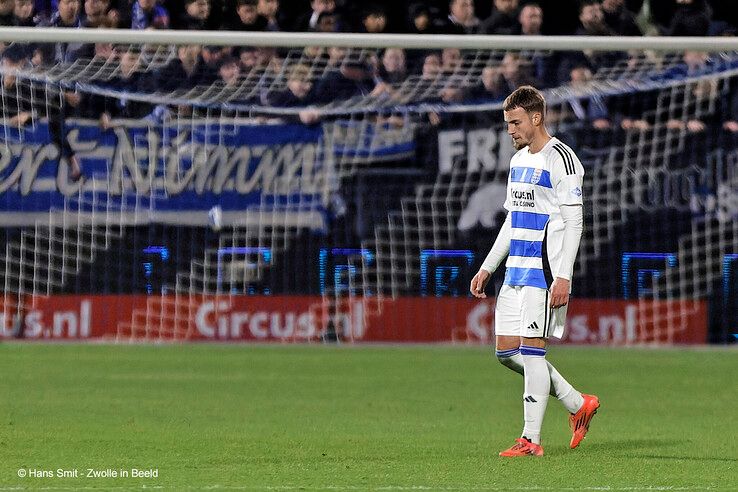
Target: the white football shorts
(525, 312)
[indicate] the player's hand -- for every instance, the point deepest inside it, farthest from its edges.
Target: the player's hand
(560, 292)
(478, 283)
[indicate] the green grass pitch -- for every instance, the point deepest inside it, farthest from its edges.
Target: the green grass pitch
(358, 418)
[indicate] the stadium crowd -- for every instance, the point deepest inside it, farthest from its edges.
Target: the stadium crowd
(603, 17)
(437, 77)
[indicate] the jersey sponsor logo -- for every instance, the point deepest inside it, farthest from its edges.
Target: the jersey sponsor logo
(522, 198)
(524, 195)
(576, 191)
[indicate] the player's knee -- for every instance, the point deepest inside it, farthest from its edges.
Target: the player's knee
(510, 359)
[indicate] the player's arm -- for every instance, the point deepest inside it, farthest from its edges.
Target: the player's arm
(568, 177)
(573, 218)
(500, 249)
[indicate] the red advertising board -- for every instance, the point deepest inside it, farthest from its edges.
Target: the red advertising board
(304, 319)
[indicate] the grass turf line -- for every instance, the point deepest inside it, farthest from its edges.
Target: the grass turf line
(344, 418)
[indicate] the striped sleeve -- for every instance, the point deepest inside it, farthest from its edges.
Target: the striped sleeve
(567, 175)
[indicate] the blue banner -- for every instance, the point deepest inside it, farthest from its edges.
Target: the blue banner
(184, 169)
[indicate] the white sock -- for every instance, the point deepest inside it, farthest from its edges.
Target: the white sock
(511, 359)
(537, 386)
(565, 392)
(560, 387)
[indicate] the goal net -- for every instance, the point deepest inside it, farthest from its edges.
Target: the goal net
(349, 191)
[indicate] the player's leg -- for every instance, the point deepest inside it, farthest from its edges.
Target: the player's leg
(533, 334)
(535, 398)
(581, 407)
(537, 386)
(507, 328)
(533, 316)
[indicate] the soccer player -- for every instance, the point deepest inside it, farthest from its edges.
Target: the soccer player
(540, 237)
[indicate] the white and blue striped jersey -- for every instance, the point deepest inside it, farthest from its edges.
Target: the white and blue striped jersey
(537, 186)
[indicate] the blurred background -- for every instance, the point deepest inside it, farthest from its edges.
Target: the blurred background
(157, 191)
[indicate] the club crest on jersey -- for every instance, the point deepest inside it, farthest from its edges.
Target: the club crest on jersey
(536, 176)
(576, 191)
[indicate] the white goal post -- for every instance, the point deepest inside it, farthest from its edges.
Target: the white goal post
(356, 40)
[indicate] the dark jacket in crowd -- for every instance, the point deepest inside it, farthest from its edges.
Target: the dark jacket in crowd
(334, 86)
(690, 20)
(500, 23)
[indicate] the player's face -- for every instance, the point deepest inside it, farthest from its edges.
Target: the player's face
(520, 127)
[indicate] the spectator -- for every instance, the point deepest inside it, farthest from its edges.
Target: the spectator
(373, 19)
(119, 13)
(209, 62)
(269, 9)
(43, 55)
(16, 108)
(692, 18)
(336, 55)
(353, 78)
(88, 104)
(584, 118)
(66, 15)
(229, 71)
(248, 17)
(451, 61)
(729, 118)
(146, 14)
(95, 13)
(488, 88)
(619, 19)
(431, 67)
(428, 86)
(461, 18)
(514, 73)
(433, 86)
(393, 69)
(327, 22)
(195, 16)
(309, 20)
(7, 15)
(420, 20)
(503, 20)
(694, 63)
(94, 51)
(592, 111)
(544, 63)
(592, 19)
(24, 101)
(130, 78)
(268, 59)
(23, 13)
(298, 91)
(182, 72)
(248, 57)
(531, 20)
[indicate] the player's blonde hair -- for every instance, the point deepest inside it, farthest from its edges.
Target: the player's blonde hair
(527, 97)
